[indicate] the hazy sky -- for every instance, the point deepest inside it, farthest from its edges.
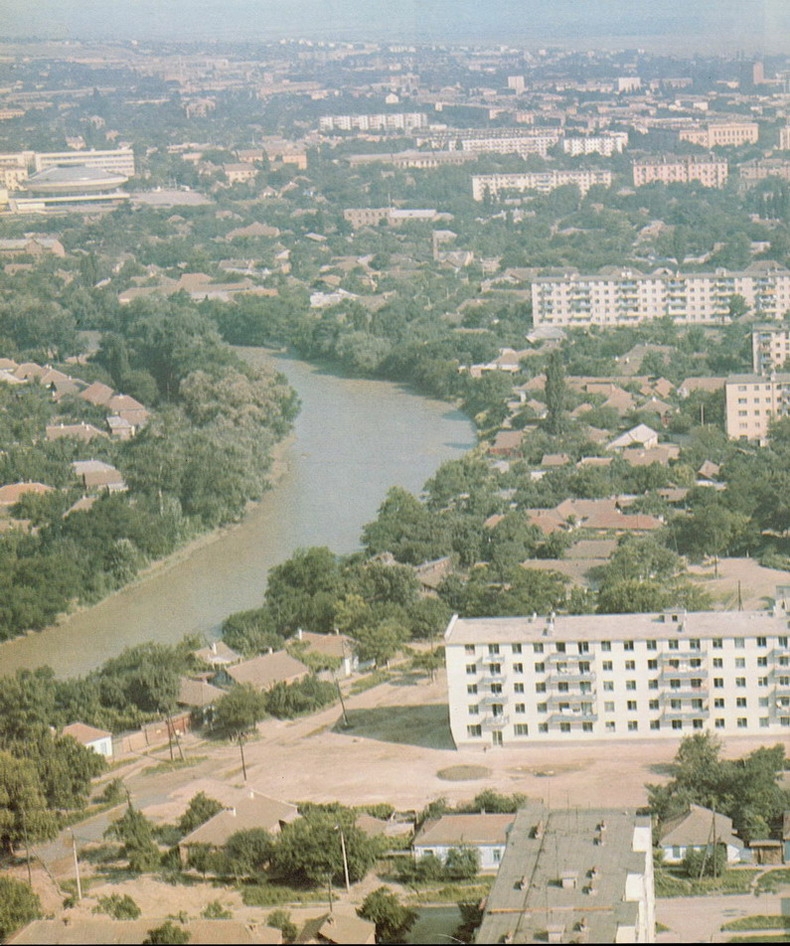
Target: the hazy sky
(688, 25)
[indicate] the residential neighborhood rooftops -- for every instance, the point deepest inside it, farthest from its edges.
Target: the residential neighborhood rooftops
(459, 830)
(264, 671)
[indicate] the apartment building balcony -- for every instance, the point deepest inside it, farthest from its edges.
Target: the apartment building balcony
(682, 673)
(573, 699)
(572, 717)
(685, 713)
(495, 722)
(684, 693)
(488, 678)
(571, 676)
(489, 699)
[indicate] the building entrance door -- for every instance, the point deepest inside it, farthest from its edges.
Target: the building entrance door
(496, 738)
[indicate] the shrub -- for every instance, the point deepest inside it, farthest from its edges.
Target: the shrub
(118, 906)
(281, 920)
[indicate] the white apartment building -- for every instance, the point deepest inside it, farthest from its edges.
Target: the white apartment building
(753, 401)
(628, 297)
(770, 347)
(513, 681)
(722, 134)
(671, 169)
(614, 143)
(750, 172)
(117, 161)
(522, 145)
(385, 121)
(541, 181)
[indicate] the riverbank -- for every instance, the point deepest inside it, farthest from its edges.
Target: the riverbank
(352, 441)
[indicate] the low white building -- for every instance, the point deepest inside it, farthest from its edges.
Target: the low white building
(699, 829)
(485, 833)
(92, 738)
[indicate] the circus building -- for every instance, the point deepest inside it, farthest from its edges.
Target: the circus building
(65, 188)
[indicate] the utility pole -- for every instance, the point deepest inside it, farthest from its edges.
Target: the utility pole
(345, 858)
(76, 866)
(241, 750)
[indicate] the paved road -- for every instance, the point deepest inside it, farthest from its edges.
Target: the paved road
(699, 919)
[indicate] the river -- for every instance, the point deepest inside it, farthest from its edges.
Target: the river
(353, 440)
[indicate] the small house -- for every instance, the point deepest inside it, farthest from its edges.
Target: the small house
(487, 834)
(699, 829)
(92, 738)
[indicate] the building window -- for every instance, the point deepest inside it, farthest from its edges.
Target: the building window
(520, 708)
(606, 646)
(517, 648)
(677, 723)
(543, 727)
(610, 725)
(762, 681)
(741, 702)
(562, 687)
(471, 688)
(633, 725)
(694, 644)
(740, 662)
(608, 666)
(540, 687)
(764, 722)
(518, 668)
(631, 706)
(717, 643)
(628, 645)
(696, 724)
(518, 687)
(742, 722)
(719, 723)
(540, 668)
(493, 649)
(521, 729)
(543, 707)
(471, 668)
(652, 645)
(718, 682)
(474, 731)
(474, 709)
(740, 681)
(655, 724)
(565, 727)
(762, 641)
(674, 645)
(783, 641)
(537, 648)
(762, 661)
(630, 665)
(470, 649)
(495, 669)
(587, 727)
(740, 643)
(718, 663)
(560, 647)
(653, 704)
(652, 684)
(652, 665)
(584, 647)
(496, 688)
(608, 685)
(675, 704)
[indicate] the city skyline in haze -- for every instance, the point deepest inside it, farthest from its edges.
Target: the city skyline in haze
(696, 26)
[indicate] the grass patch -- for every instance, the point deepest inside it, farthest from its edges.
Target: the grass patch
(759, 922)
(463, 773)
(669, 884)
(272, 895)
(167, 766)
(370, 681)
(773, 880)
(765, 938)
(452, 893)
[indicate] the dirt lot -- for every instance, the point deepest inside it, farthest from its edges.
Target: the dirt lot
(398, 750)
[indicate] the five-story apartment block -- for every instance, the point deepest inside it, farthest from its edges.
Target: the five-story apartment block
(516, 680)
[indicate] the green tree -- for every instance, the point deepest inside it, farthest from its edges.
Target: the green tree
(309, 851)
(556, 395)
(200, 809)
(248, 852)
(393, 920)
(24, 815)
(379, 643)
(462, 863)
(19, 904)
(239, 710)
(118, 906)
(168, 932)
(136, 834)
(281, 920)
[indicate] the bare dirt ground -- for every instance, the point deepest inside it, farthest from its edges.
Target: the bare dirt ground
(398, 750)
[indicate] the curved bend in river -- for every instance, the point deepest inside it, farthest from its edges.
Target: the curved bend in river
(353, 440)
